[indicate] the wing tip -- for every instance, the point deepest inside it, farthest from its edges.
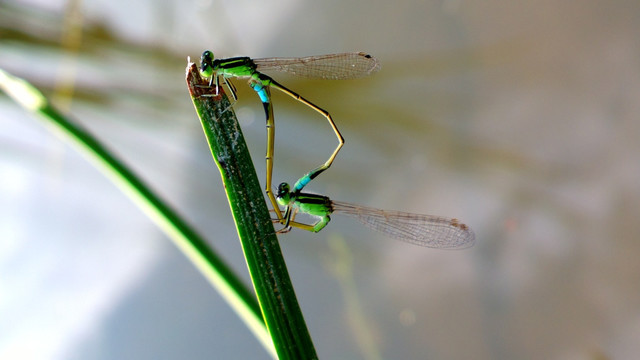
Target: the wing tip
(375, 65)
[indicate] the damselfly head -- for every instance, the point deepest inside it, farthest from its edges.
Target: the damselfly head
(206, 64)
(283, 195)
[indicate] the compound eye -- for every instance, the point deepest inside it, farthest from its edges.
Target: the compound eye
(207, 55)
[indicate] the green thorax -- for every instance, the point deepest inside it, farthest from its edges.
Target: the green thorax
(234, 67)
(313, 204)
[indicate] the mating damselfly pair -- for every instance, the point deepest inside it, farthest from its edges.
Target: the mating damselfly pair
(425, 230)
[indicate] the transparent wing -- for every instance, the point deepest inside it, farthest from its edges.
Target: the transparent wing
(331, 67)
(424, 230)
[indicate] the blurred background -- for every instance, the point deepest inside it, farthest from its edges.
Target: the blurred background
(519, 118)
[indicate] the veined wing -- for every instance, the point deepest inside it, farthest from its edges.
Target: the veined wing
(424, 230)
(331, 67)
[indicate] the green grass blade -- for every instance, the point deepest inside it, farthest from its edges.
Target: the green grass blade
(257, 235)
(186, 239)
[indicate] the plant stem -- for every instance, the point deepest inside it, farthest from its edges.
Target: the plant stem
(266, 264)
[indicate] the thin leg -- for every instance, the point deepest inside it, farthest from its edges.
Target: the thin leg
(290, 222)
(230, 86)
(232, 89)
(319, 225)
(297, 225)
